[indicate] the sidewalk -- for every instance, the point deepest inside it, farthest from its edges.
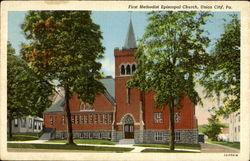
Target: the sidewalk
(136, 149)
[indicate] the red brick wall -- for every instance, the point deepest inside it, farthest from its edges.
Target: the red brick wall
(187, 119)
(101, 106)
(125, 57)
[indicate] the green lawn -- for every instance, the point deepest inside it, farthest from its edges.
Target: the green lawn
(22, 137)
(85, 141)
(235, 145)
(177, 146)
(68, 147)
(165, 151)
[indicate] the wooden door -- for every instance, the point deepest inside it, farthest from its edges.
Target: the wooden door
(129, 131)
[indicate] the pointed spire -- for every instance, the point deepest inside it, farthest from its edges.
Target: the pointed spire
(130, 42)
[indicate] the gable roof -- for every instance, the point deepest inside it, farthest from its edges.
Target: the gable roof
(109, 93)
(56, 107)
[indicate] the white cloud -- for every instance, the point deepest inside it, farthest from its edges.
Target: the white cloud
(108, 66)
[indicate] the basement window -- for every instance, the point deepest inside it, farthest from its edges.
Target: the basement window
(158, 136)
(177, 136)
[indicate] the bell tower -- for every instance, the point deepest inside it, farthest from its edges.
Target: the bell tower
(128, 105)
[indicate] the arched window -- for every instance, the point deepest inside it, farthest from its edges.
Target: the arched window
(133, 68)
(128, 72)
(122, 70)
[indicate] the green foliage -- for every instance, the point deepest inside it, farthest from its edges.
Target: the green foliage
(23, 137)
(65, 46)
(27, 93)
(222, 73)
(201, 128)
(171, 52)
(213, 129)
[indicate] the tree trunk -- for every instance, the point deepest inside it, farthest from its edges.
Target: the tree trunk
(10, 127)
(171, 126)
(68, 116)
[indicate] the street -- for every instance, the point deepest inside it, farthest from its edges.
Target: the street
(214, 148)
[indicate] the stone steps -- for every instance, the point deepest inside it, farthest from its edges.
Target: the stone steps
(45, 136)
(127, 141)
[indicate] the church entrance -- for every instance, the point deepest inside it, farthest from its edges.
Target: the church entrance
(129, 127)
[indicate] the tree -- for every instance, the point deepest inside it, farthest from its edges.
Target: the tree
(213, 129)
(169, 55)
(222, 73)
(65, 46)
(27, 93)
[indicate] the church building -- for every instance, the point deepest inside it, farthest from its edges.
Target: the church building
(122, 114)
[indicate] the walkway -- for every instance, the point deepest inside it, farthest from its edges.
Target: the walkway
(136, 149)
(215, 148)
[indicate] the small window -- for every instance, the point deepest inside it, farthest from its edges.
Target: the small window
(63, 120)
(30, 123)
(81, 107)
(39, 126)
(86, 107)
(122, 70)
(238, 128)
(81, 119)
(100, 119)
(94, 119)
(133, 68)
(177, 136)
(90, 119)
(103, 118)
(158, 136)
(81, 135)
(35, 125)
(77, 119)
(73, 119)
(158, 117)
(16, 122)
(109, 118)
(128, 95)
(51, 120)
(128, 72)
(85, 118)
(105, 121)
(177, 117)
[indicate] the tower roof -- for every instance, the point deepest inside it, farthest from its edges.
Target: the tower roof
(130, 42)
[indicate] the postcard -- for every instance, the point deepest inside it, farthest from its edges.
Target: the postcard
(125, 80)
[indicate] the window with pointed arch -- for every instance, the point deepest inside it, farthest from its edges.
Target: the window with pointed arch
(122, 70)
(133, 68)
(128, 71)
(177, 117)
(86, 107)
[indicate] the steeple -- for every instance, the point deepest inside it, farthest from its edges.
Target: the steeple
(130, 42)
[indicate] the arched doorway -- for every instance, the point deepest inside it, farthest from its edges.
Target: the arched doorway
(129, 127)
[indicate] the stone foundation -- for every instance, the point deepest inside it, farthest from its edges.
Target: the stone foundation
(146, 136)
(105, 134)
(185, 136)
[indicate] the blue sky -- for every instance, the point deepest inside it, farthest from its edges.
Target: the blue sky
(114, 26)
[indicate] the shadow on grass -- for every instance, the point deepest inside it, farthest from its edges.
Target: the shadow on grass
(85, 141)
(177, 146)
(69, 147)
(165, 151)
(22, 137)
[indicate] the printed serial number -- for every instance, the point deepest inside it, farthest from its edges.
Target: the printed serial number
(230, 155)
